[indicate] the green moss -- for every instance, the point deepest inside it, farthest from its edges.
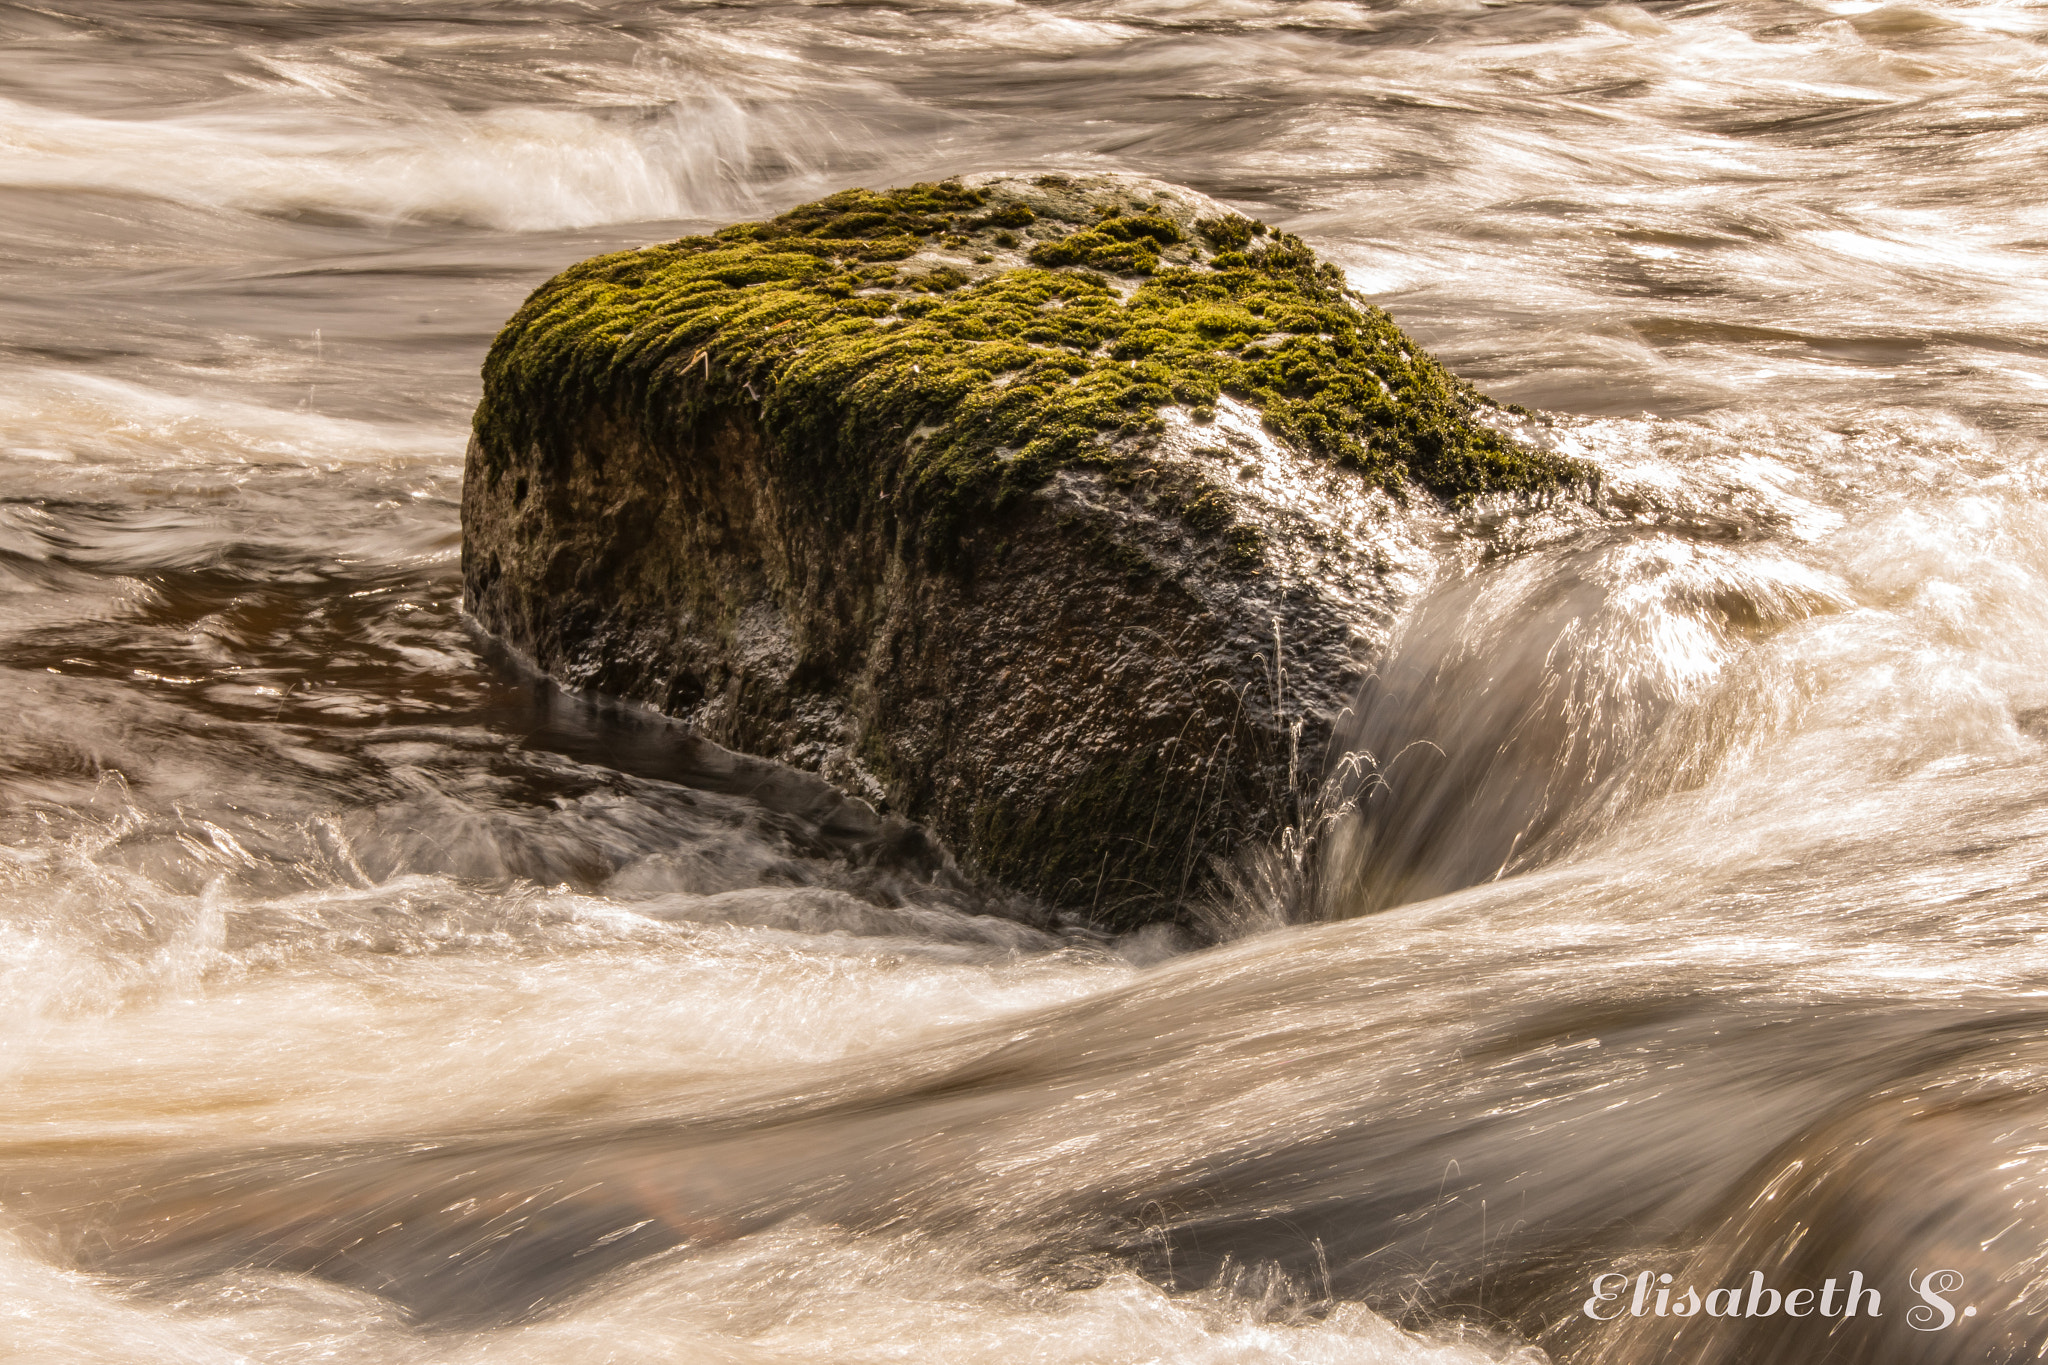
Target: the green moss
(1247, 550)
(1232, 232)
(1008, 216)
(917, 210)
(1208, 511)
(1010, 375)
(1119, 244)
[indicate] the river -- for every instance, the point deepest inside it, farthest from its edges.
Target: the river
(363, 1000)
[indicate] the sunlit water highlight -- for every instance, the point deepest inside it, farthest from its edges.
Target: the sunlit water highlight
(360, 1000)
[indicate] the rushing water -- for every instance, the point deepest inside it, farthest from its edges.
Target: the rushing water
(362, 1001)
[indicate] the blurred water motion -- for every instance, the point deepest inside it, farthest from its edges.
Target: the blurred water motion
(1676, 908)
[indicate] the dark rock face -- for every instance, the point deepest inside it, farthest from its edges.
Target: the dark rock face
(1090, 618)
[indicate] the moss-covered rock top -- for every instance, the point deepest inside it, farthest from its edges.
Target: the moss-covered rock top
(987, 334)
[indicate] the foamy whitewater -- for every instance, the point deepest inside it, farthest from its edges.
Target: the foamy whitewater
(363, 1001)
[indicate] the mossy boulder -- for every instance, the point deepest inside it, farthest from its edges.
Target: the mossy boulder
(1057, 513)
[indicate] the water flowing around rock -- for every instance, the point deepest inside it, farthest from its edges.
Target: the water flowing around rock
(361, 998)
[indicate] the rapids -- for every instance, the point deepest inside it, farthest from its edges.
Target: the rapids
(1678, 907)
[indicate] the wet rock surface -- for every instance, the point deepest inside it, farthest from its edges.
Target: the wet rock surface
(1063, 515)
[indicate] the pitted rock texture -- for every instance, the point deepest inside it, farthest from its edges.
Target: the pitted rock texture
(1062, 514)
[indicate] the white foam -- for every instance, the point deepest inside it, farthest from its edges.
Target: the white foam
(519, 169)
(798, 1293)
(64, 417)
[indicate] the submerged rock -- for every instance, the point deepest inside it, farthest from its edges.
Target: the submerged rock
(1057, 513)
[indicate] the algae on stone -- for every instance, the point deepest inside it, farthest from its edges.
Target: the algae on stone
(866, 316)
